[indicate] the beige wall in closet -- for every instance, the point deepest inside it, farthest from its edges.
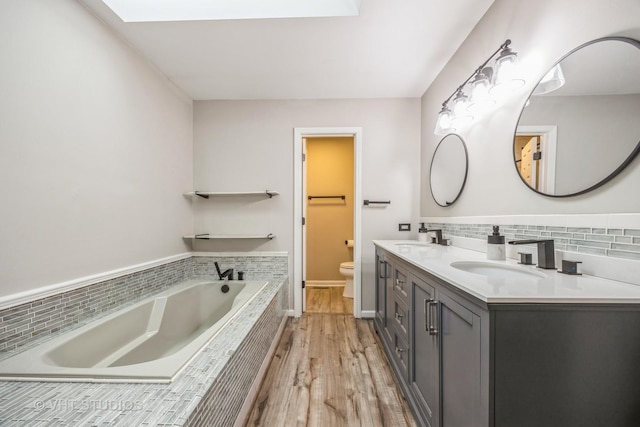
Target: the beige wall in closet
(329, 221)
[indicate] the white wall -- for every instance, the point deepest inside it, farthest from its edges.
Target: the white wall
(541, 32)
(248, 145)
(95, 150)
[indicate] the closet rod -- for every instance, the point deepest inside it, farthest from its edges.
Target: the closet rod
(326, 197)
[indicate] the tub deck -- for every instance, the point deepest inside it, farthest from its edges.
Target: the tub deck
(150, 341)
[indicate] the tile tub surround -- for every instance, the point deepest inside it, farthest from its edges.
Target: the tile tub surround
(31, 323)
(209, 391)
(194, 391)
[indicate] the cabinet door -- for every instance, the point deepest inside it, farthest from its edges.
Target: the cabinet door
(424, 353)
(381, 292)
(390, 301)
(460, 349)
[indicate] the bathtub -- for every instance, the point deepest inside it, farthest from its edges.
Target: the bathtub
(150, 341)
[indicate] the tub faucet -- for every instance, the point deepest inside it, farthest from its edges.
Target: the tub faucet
(228, 273)
(546, 252)
(439, 239)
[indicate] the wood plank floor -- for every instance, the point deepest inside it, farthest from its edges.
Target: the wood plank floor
(328, 300)
(329, 370)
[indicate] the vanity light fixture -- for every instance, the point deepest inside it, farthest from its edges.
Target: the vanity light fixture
(487, 85)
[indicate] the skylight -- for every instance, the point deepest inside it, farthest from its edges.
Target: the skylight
(203, 10)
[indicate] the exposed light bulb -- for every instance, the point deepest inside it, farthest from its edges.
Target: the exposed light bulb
(461, 116)
(460, 103)
(444, 123)
(480, 100)
(505, 77)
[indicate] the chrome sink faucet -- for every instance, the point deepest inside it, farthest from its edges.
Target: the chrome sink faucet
(546, 251)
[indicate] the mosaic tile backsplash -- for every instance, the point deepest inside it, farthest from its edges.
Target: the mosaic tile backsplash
(256, 267)
(612, 242)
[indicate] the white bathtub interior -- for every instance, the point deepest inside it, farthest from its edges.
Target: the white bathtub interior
(146, 342)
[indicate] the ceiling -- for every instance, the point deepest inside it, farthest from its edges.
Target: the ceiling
(392, 49)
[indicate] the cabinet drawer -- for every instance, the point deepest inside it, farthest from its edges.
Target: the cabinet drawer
(401, 284)
(401, 354)
(401, 318)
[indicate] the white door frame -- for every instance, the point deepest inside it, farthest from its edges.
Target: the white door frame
(298, 135)
(548, 145)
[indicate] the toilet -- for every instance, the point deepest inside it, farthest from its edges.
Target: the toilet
(346, 269)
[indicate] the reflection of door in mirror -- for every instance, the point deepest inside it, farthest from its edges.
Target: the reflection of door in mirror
(595, 110)
(528, 164)
(535, 156)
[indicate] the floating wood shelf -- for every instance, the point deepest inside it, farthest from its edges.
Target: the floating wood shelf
(207, 236)
(207, 194)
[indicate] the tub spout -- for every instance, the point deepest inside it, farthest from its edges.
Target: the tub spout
(228, 273)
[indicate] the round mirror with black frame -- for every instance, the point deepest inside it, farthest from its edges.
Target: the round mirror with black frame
(580, 126)
(449, 167)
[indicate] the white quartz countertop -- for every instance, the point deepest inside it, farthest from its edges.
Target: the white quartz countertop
(551, 287)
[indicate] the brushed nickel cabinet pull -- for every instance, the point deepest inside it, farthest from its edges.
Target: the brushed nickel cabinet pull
(433, 328)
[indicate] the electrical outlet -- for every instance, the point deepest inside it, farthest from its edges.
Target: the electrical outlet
(404, 227)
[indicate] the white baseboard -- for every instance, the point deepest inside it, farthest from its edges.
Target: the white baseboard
(368, 314)
(290, 313)
(249, 401)
(323, 283)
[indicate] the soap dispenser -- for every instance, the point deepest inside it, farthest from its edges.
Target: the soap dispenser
(422, 233)
(495, 245)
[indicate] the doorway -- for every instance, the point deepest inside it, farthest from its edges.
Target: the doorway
(328, 251)
(535, 156)
(301, 203)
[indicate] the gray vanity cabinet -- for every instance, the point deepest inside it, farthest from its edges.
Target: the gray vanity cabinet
(461, 362)
(432, 337)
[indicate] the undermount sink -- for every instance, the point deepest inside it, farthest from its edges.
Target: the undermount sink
(491, 269)
(412, 244)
